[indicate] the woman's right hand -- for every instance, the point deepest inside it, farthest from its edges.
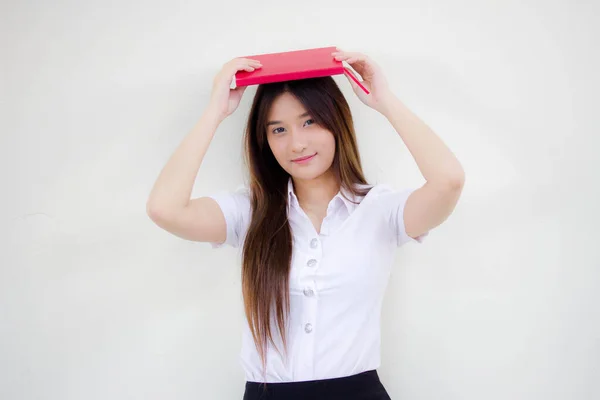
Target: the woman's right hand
(223, 99)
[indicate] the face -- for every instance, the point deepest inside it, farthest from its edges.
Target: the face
(293, 135)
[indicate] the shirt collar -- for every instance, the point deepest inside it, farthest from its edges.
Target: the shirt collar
(350, 206)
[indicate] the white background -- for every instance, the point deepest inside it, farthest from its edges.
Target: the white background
(96, 302)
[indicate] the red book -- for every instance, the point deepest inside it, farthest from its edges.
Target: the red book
(292, 65)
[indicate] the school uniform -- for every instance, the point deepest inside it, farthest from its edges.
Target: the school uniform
(338, 279)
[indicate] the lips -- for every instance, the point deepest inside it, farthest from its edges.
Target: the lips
(300, 159)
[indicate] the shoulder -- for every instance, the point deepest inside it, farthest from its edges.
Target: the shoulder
(236, 209)
(235, 201)
(385, 201)
(241, 192)
(389, 203)
(382, 192)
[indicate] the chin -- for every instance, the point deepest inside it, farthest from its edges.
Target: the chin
(307, 173)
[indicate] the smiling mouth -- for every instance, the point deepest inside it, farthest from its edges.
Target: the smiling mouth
(304, 158)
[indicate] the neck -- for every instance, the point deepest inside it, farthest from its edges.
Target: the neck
(315, 194)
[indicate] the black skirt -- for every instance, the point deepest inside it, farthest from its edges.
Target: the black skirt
(363, 386)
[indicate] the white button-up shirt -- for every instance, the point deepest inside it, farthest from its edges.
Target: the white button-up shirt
(337, 283)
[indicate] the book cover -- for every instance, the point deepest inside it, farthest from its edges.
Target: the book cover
(292, 65)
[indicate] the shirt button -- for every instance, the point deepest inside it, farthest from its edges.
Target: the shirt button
(314, 243)
(308, 328)
(312, 262)
(309, 292)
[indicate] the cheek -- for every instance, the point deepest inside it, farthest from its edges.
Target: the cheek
(276, 149)
(328, 144)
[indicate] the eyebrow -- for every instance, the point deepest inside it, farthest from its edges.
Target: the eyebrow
(306, 114)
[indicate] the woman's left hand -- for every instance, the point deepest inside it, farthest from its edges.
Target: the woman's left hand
(373, 79)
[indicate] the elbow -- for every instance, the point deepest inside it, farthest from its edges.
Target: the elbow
(154, 211)
(160, 211)
(457, 179)
(457, 183)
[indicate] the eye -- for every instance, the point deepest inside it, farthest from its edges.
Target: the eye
(308, 120)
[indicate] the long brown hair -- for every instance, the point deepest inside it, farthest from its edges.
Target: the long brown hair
(267, 250)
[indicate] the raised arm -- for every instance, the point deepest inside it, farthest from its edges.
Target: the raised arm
(169, 204)
(431, 204)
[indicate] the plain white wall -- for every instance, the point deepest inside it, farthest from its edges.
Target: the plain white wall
(96, 302)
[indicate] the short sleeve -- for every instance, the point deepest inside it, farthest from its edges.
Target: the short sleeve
(392, 204)
(236, 209)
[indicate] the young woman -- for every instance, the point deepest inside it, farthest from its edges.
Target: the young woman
(317, 241)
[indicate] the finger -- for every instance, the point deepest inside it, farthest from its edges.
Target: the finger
(357, 64)
(240, 89)
(253, 64)
(361, 67)
(350, 57)
(248, 60)
(238, 63)
(245, 67)
(242, 67)
(248, 64)
(348, 53)
(245, 59)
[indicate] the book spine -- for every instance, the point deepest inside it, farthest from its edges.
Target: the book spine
(317, 73)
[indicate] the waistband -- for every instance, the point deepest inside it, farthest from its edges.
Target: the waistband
(363, 385)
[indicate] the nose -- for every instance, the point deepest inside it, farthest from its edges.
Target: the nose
(298, 141)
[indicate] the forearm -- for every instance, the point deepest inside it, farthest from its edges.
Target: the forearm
(434, 159)
(173, 187)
